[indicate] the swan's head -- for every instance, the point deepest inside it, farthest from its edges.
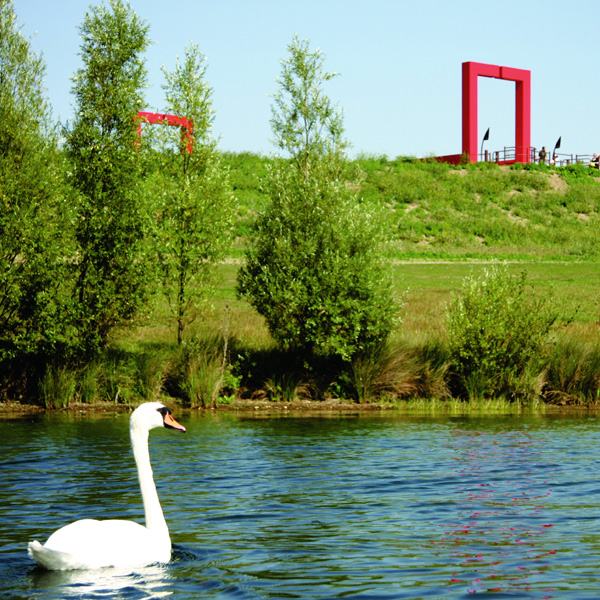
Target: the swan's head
(153, 414)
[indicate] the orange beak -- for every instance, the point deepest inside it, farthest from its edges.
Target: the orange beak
(171, 423)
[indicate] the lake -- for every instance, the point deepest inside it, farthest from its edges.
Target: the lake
(376, 506)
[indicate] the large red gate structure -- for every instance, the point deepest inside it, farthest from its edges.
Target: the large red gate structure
(471, 71)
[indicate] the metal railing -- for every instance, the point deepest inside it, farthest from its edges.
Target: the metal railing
(560, 159)
(508, 155)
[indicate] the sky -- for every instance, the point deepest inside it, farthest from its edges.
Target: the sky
(399, 65)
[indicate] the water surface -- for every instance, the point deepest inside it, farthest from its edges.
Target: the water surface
(374, 506)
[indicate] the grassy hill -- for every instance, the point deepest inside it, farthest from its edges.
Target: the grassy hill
(482, 211)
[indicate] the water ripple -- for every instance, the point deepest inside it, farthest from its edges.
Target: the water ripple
(315, 508)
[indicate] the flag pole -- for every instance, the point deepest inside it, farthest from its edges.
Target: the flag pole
(485, 137)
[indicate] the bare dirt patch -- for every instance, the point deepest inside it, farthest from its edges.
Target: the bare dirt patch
(557, 184)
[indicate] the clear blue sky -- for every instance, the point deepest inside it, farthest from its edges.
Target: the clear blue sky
(399, 63)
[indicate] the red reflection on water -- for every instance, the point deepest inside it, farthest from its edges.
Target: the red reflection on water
(497, 539)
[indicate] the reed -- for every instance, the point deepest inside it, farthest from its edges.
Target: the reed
(58, 386)
(398, 370)
(150, 369)
(117, 376)
(197, 371)
(88, 382)
(573, 372)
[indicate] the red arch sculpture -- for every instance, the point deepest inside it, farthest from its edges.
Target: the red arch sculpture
(187, 127)
(470, 72)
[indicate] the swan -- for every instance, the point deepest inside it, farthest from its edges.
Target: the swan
(91, 544)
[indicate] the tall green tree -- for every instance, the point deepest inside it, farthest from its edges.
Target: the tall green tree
(314, 268)
(34, 207)
(106, 169)
(192, 190)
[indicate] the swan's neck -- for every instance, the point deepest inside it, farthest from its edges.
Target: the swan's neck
(155, 520)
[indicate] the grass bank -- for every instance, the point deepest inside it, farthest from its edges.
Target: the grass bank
(435, 211)
(413, 373)
(444, 225)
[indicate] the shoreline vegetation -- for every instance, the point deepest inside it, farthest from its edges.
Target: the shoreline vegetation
(446, 225)
(309, 408)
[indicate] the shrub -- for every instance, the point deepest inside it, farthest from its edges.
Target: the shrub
(316, 272)
(496, 333)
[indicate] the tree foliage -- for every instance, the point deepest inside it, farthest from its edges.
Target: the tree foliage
(193, 208)
(102, 146)
(34, 205)
(314, 269)
(305, 123)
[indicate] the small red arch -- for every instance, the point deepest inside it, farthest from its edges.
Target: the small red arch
(187, 126)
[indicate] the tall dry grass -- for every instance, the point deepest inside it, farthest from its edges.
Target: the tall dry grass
(573, 371)
(399, 371)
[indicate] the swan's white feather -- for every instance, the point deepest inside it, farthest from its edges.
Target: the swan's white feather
(52, 559)
(91, 544)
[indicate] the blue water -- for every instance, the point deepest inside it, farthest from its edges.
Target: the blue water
(366, 507)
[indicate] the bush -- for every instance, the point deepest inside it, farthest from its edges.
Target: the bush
(497, 333)
(316, 273)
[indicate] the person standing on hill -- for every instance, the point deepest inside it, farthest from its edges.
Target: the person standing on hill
(542, 155)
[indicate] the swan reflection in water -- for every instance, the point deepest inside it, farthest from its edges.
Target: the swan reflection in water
(144, 582)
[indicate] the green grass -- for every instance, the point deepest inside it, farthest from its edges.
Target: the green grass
(435, 211)
(428, 287)
(415, 369)
(431, 285)
(444, 224)
(492, 406)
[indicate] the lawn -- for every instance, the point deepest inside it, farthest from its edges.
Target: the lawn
(426, 287)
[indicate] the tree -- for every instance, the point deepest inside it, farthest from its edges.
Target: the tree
(314, 269)
(34, 207)
(106, 167)
(194, 199)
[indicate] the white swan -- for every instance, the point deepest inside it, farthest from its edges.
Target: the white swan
(91, 544)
